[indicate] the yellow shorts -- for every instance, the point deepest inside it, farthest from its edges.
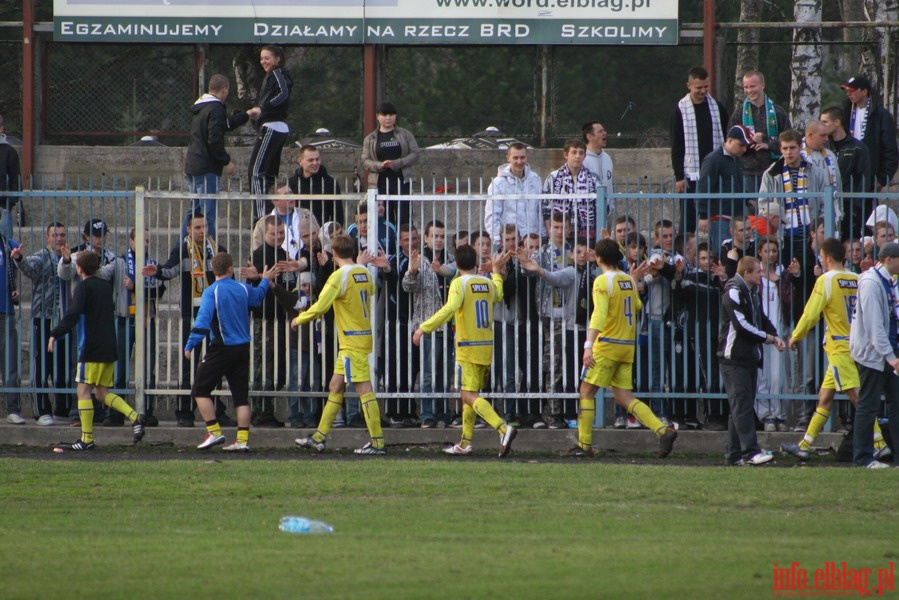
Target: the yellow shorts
(842, 374)
(94, 373)
(609, 373)
(470, 376)
(353, 365)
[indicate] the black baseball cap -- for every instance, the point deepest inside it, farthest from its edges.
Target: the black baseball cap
(95, 227)
(859, 82)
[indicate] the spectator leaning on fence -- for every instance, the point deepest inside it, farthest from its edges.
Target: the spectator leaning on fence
(871, 123)
(312, 179)
(514, 178)
(573, 178)
(854, 163)
(10, 254)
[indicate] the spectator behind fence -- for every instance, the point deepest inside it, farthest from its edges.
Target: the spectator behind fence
(349, 290)
(573, 178)
(598, 160)
(223, 320)
(10, 181)
(389, 154)
(49, 302)
(291, 218)
(10, 255)
(312, 179)
(834, 297)
(698, 123)
(744, 328)
(766, 121)
(206, 156)
(721, 173)
(192, 259)
(505, 318)
(873, 346)
(871, 123)
(470, 302)
(270, 113)
(854, 163)
(386, 231)
(514, 178)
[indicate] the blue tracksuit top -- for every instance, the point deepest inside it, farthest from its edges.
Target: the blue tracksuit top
(224, 314)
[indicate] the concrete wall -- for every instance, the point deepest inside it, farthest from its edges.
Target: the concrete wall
(141, 163)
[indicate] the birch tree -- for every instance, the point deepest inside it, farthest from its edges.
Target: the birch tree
(805, 65)
(878, 56)
(747, 45)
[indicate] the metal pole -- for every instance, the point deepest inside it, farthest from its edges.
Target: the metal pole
(140, 299)
(27, 90)
(708, 40)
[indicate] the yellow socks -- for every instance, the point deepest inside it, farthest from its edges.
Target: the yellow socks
(329, 413)
(213, 427)
(372, 415)
(815, 425)
(879, 442)
(646, 417)
(86, 413)
(243, 435)
(585, 416)
(469, 416)
(486, 412)
(118, 403)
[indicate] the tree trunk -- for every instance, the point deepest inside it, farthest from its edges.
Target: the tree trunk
(747, 45)
(879, 54)
(805, 66)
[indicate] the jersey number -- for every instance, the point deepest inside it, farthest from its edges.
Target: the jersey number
(363, 294)
(482, 314)
(850, 307)
(628, 311)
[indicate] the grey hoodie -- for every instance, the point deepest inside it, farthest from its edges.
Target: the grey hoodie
(869, 341)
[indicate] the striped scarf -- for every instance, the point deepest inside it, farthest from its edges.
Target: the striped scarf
(692, 160)
(797, 213)
(770, 122)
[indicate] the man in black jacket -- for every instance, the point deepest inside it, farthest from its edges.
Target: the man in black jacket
(312, 179)
(721, 172)
(744, 328)
(854, 163)
(874, 125)
(10, 181)
(206, 154)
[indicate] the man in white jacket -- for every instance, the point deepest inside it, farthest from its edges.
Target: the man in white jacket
(514, 178)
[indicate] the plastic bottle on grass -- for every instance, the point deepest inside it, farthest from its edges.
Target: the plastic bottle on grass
(303, 525)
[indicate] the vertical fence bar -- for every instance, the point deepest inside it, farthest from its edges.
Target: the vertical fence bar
(140, 302)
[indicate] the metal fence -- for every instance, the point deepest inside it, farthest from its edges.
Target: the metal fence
(537, 350)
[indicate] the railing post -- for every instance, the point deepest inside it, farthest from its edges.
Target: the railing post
(140, 299)
(828, 211)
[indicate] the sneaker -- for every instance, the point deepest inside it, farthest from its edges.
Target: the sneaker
(665, 421)
(236, 447)
(620, 423)
(139, 428)
(370, 450)
(871, 465)
(339, 423)
(266, 420)
(800, 427)
(429, 424)
(456, 423)
(770, 425)
(505, 443)
(882, 453)
(81, 446)
(297, 425)
(692, 423)
(480, 424)
(760, 459)
(795, 450)
(308, 442)
(457, 450)
(46, 420)
(781, 426)
(357, 422)
(151, 421)
(557, 424)
(739, 463)
(397, 423)
(577, 452)
(15, 419)
(633, 423)
(539, 424)
(666, 442)
(116, 420)
(211, 440)
(185, 422)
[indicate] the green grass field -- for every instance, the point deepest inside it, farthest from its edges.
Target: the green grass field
(430, 528)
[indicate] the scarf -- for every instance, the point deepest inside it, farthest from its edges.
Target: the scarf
(864, 123)
(198, 258)
(582, 211)
(692, 159)
(582, 315)
(770, 121)
(130, 270)
(889, 286)
(797, 214)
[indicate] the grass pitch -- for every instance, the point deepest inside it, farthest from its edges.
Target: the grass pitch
(429, 528)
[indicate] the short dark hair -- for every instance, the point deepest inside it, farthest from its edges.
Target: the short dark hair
(307, 148)
(789, 135)
(608, 252)
(516, 146)
(343, 246)
(833, 248)
(637, 238)
(88, 262)
(582, 241)
(435, 223)
(834, 112)
(626, 219)
(466, 257)
(54, 225)
(698, 72)
(218, 82)
(588, 128)
(662, 224)
(272, 221)
(574, 143)
(476, 235)
(221, 262)
(408, 227)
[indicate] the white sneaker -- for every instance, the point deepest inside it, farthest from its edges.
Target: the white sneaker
(633, 423)
(236, 447)
(620, 423)
(877, 465)
(46, 420)
(760, 459)
(15, 419)
(211, 440)
(457, 450)
(882, 453)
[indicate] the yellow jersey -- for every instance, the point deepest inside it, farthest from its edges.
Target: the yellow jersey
(348, 289)
(616, 308)
(833, 296)
(470, 300)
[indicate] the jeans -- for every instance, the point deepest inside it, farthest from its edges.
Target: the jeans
(53, 366)
(125, 340)
(435, 370)
(9, 333)
(304, 376)
(741, 381)
(874, 384)
(208, 183)
(659, 347)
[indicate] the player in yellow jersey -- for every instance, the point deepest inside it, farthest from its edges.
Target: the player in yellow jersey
(834, 297)
(470, 300)
(609, 352)
(348, 290)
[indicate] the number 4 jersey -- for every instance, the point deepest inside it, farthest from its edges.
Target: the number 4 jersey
(348, 289)
(470, 300)
(616, 308)
(834, 297)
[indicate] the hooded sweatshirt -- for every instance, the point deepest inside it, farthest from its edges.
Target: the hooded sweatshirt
(524, 212)
(206, 151)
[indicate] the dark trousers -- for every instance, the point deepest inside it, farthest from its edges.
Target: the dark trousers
(50, 366)
(125, 340)
(401, 368)
(874, 384)
(740, 382)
